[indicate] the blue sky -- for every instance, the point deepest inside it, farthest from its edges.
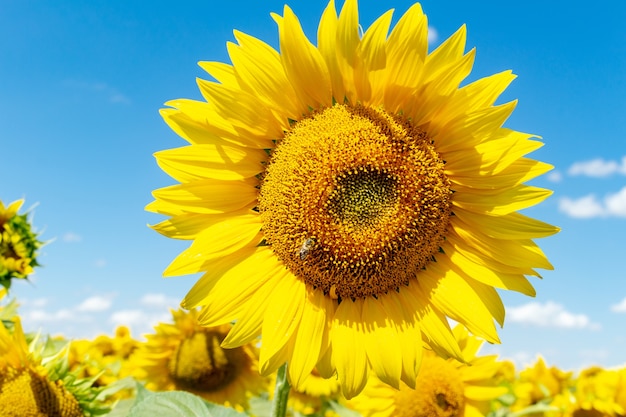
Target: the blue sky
(81, 85)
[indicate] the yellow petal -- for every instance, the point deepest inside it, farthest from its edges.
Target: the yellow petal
(244, 112)
(282, 319)
(382, 341)
(189, 225)
(473, 304)
(347, 43)
(304, 65)
(433, 324)
(348, 344)
(222, 304)
(327, 45)
(223, 73)
(221, 239)
(514, 199)
(225, 162)
(248, 326)
(407, 47)
(372, 60)
(210, 196)
(261, 72)
(315, 324)
(509, 226)
(523, 253)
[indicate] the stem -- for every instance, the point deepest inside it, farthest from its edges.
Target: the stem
(281, 393)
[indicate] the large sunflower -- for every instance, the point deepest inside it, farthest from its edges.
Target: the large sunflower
(345, 199)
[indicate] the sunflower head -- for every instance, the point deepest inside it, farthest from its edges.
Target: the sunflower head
(35, 379)
(185, 356)
(18, 244)
(346, 198)
(443, 388)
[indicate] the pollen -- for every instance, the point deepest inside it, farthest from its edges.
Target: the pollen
(367, 188)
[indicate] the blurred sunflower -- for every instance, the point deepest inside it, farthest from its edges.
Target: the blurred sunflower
(35, 380)
(599, 392)
(185, 356)
(540, 384)
(444, 388)
(18, 244)
(107, 359)
(345, 199)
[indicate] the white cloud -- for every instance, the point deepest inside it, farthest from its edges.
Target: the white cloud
(138, 321)
(159, 301)
(555, 176)
(619, 307)
(34, 318)
(71, 237)
(433, 35)
(616, 203)
(549, 314)
(95, 303)
(598, 168)
(613, 205)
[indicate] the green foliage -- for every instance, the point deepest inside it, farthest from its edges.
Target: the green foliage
(176, 404)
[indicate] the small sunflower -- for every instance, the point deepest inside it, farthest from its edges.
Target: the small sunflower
(105, 358)
(18, 244)
(312, 396)
(185, 356)
(37, 383)
(542, 384)
(444, 388)
(344, 200)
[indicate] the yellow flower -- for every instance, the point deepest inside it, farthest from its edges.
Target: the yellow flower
(599, 392)
(444, 388)
(186, 356)
(346, 199)
(33, 384)
(311, 396)
(18, 244)
(104, 358)
(540, 383)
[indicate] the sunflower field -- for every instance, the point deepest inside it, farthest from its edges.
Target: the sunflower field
(352, 211)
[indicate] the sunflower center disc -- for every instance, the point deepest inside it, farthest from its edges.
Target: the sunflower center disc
(355, 201)
(200, 364)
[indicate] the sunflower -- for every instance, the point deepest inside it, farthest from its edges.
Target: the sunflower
(35, 380)
(18, 244)
(443, 387)
(313, 395)
(344, 200)
(106, 359)
(185, 356)
(540, 384)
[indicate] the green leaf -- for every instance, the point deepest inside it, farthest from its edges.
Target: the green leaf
(176, 404)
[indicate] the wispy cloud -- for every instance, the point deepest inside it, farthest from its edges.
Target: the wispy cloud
(95, 303)
(613, 205)
(138, 321)
(112, 94)
(598, 168)
(555, 176)
(71, 237)
(159, 301)
(550, 314)
(433, 35)
(619, 307)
